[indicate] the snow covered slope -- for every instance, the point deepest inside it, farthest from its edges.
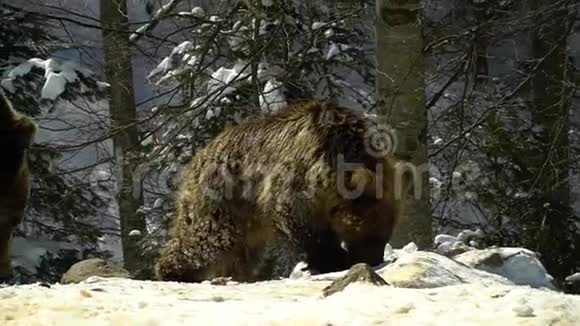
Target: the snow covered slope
(424, 289)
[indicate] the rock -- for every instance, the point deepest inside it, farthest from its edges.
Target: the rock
(388, 252)
(490, 258)
(93, 267)
(466, 240)
(443, 238)
(474, 244)
(220, 280)
(429, 270)
(410, 248)
(519, 265)
(466, 235)
(451, 249)
(357, 273)
(574, 278)
(300, 271)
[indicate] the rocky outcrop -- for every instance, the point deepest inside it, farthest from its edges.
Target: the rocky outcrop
(357, 273)
(93, 267)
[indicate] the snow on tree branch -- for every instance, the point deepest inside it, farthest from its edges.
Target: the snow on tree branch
(52, 77)
(161, 13)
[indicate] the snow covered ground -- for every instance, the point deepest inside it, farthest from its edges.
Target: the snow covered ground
(424, 289)
(288, 302)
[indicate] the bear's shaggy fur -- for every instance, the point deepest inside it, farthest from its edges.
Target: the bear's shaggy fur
(16, 135)
(274, 191)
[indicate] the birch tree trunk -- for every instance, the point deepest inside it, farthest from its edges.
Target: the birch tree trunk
(119, 75)
(401, 102)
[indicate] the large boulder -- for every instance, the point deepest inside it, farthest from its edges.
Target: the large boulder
(519, 265)
(93, 267)
(428, 270)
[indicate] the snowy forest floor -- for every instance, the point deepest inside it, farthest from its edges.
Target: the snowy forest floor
(424, 288)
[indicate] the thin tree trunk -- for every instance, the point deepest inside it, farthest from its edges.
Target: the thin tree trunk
(119, 75)
(401, 101)
(551, 161)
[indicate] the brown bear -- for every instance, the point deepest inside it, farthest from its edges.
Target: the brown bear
(16, 136)
(307, 183)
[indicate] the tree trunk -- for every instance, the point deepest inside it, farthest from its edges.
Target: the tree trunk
(401, 102)
(551, 159)
(119, 75)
